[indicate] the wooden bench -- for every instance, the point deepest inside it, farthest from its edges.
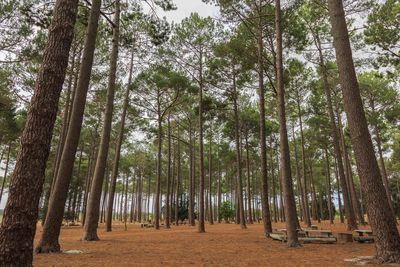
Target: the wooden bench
(318, 236)
(146, 225)
(364, 236)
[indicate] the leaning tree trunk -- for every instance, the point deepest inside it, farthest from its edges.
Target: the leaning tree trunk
(263, 157)
(118, 149)
(348, 208)
(387, 241)
(286, 176)
(21, 212)
(52, 225)
(90, 228)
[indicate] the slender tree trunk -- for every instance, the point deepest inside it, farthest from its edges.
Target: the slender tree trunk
(51, 229)
(159, 169)
(239, 184)
(264, 170)
(167, 202)
(90, 228)
(118, 149)
(210, 209)
(21, 212)
(338, 192)
(286, 176)
(350, 216)
(201, 228)
(328, 186)
(178, 181)
(383, 168)
(248, 181)
(387, 241)
(191, 204)
(219, 188)
(303, 159)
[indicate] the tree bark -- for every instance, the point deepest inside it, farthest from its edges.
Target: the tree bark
(263, 157)
(387, 241)
(118, 149)
(286, 176)
(348, 208)
(51, 228)
(239, 184)
(90, 228)
(21, 212)
(201, 228)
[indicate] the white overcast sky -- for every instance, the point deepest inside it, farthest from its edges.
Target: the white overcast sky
(186, 7)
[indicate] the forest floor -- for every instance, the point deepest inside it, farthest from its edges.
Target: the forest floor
(221, 245)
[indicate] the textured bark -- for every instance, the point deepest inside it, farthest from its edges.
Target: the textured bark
(387, 241)
(286, 176)
(117, 155)
(263, 157)
(90, 228)
(178, 179)
(191, 177)
(21, 212)
(52, 225)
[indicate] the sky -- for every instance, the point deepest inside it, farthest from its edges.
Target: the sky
(186, 7)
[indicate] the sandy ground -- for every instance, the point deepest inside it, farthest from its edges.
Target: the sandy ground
(221, 245)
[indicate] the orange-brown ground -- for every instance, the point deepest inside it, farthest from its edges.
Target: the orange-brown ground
(222, 245)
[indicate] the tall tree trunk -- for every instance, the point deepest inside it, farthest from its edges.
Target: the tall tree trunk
(191, 177)
(90, 228)
(117, 155)
(350, 216)
(349, 173)
(201, 228)
(178, 180)
(286, 176)
(21, 212)
(157, 202)
(383, 168)
(219, 188)
(60, 145)
(248, 181)
(263, 157)
(380, 217)
(338, 192)
(328, 186)
(52, 225)
(303, 159)
(167, 202)
(304, 207)
(210, 209)
(239, 183)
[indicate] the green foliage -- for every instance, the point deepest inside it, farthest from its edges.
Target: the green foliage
(226, 211)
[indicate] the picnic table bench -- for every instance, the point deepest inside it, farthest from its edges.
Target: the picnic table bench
(306, 236)
(364, 236)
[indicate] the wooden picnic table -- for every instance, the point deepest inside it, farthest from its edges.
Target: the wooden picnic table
(364, 236)
(362, 232)
(313, 233)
